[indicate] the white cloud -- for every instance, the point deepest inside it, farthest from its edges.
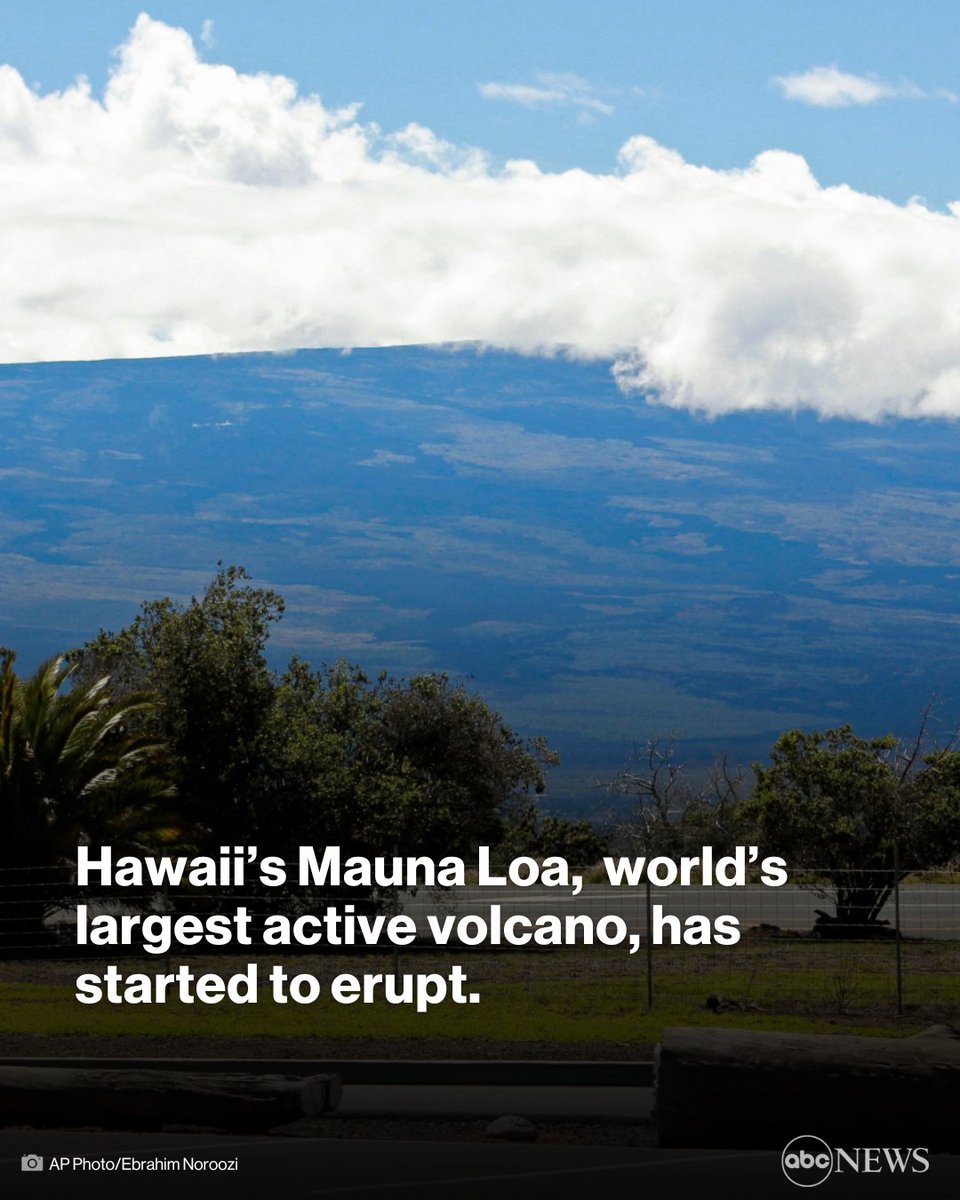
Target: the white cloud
(196, 210)
(206, 34)
(385, 458)
(565, 90)
(416, 143)
(829, 87)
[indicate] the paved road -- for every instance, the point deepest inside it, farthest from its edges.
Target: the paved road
(425, 1170)
(926, 910)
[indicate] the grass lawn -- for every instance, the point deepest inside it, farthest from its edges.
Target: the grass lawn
(566, 996)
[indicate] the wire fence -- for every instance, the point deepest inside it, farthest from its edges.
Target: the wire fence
(827, 943)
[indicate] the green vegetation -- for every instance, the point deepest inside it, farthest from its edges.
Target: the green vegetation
(849, 815)
(861, 813)
(508, 1013)
(326, 756)
(71, 766)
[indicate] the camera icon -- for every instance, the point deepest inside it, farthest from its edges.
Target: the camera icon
(31, 1162)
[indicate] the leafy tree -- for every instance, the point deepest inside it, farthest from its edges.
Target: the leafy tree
(420, 764)
(71, 770)
(325, 762)
(861, 812)
(328, 756)
(206, 662)
(468, 764)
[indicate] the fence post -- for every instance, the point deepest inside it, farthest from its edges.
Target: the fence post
(649, 950)
(396, 910)
(896, 920)
(168, 965)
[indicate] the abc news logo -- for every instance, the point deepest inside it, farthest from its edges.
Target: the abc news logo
(808, 1161)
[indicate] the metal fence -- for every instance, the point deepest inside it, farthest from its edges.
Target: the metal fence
(792, 954)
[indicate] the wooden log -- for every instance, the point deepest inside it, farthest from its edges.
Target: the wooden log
(148, 1099)
(737, 1088)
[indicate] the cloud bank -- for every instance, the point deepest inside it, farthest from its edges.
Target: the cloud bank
(196, 210)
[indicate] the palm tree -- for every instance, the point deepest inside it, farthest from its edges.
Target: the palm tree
(72, 769)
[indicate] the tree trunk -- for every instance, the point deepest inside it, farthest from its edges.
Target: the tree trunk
(731, 1087)
(148, 1099)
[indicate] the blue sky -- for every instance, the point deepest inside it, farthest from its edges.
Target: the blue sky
(741, 206)
(694, 75)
